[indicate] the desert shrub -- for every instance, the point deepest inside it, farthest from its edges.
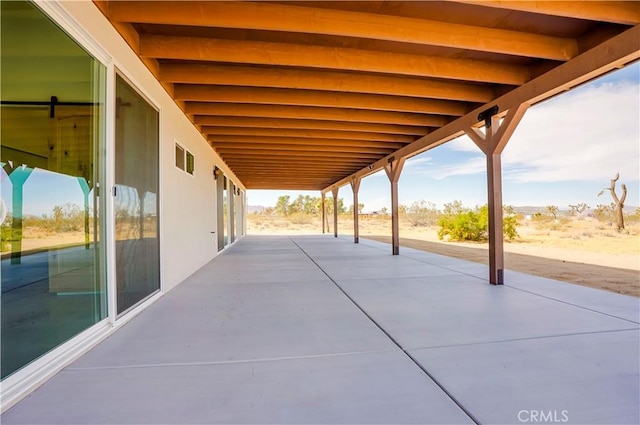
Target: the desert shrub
(604, 213)
(67, 218)
(538, 217)
(633, 218)
(462, 224)
(299, 218)
(64, 218)
(422, 213)
(509, 227)
(7, 236)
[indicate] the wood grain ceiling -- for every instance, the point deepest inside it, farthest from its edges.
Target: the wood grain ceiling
(300, 95)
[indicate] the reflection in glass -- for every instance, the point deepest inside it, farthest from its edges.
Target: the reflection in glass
(136, 201)
(234, 201)
(52, 282)
(225, 203)
(219, 209)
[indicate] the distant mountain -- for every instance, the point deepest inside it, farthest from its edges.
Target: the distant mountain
(255, 209)
(529, 210)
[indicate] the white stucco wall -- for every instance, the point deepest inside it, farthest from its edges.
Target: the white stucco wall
(187, 203)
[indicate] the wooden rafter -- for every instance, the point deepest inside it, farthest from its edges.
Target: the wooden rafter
(295, 55)
(306, 133)
(269, 96)
(618, 12)
(312, 149)
(268, 123)
(254, 76)
(316, 113)
(297, 19)
(285, 142)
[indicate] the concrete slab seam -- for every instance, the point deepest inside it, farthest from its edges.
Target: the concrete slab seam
(571, 304)
(432, 378)
(226, 362)
(525, 339)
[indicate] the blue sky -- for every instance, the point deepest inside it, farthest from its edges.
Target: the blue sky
(564, 151)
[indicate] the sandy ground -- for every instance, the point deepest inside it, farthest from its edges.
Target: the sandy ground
(580, 251)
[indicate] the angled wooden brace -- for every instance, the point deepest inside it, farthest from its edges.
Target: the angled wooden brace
(492, 142)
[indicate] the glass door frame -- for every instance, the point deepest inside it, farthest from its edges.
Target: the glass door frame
(29, 377)
(117, 69)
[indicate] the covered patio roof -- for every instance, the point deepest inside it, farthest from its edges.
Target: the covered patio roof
(312, 95)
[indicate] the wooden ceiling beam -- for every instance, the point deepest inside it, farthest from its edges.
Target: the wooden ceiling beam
(311, 149)
(308, 134)
(304, 112)
(299, 19)
(265, 153)
(288, 179)
(254, 76)
(292, 97)
(286, 141)
(337, 160)
(287, 185)
(293, 168)
(310, 165)
(283, 173)
(321, 57)
(287, 165)
(286, 123)
(617, 12)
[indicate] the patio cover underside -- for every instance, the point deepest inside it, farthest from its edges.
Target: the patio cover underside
(308, 95)
(320, 330)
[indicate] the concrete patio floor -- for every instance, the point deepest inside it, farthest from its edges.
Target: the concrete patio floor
(313, 329)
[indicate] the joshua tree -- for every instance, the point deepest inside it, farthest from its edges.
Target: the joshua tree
(578, 209)
(553, 210)
(618, 202)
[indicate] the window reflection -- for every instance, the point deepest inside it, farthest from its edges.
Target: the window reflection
(136, 201)
(52, 284)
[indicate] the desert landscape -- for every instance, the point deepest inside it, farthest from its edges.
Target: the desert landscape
(580, 249)
(575, 249)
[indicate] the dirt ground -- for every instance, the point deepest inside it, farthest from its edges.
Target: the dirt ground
(623, 281)
(579, 251)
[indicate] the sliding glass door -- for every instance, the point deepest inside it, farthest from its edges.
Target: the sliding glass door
(52, 134)
(136, 197)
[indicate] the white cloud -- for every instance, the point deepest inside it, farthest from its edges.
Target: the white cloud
(412, 162)
(470, 166)
(463, 144)
(589, 134)
(585, 135)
